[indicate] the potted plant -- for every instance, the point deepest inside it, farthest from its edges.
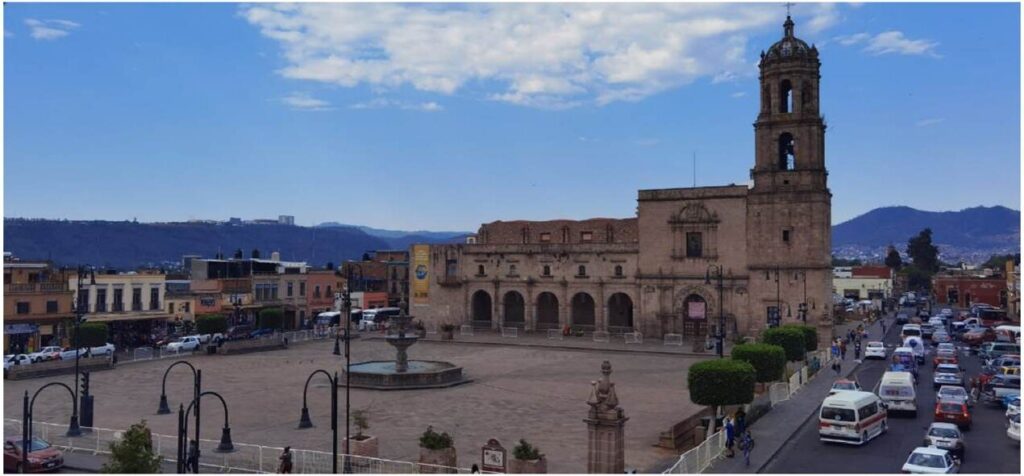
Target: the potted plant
(436, 449)
(363, 445)
(448, 331)
(421, 330)
(526, 459)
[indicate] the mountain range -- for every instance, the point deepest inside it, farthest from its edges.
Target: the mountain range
(970, 235)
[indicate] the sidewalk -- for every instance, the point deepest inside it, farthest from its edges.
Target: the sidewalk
(776, 427)
(84, 462)
(539, 339)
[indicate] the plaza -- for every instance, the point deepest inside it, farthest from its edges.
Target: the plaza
(518, 391)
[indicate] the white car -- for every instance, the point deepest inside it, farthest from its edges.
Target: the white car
(1013, 407)
(16, 359)
(185, 344)
(930, 460)
(953, 393)
(107, 349)
(45, 354)
(874, 350)
(70, 354)
(1014, 429)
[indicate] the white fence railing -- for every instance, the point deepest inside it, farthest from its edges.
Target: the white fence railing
(778, 392)
(673, 339)
(601, 336)
(699, 458)
(510, 332)
(555, 334)
(245, 458)
(466, 331)
(633, 337)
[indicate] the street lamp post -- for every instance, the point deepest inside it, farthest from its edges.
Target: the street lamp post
(305, 422)
(720, 344)
(802, 308)
(26, 421)
(163, 409)
(225, 445)
(80, 311)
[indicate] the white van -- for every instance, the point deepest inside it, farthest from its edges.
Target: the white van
(852, 417)
(916, 345)
(896, 389)
(910, 330)
(1013, 332)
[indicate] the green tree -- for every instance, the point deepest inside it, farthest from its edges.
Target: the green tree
(893, 259)
(721, 382)
(270, 318)
(922, 252)
(93, 334)
(810, 334)
(133, 453)
(917, 278)
(999, 261)
(790, 338)
(845, 262)
(211, 324)
(769, 361)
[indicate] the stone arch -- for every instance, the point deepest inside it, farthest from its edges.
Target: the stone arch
(547, 311)
(787, 151)
(620, 311)
(583, 310)
(691, 326)
(514, 309)
(785, 96)
(481, 306)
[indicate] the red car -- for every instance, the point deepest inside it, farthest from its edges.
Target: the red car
(945, 359)
(979, 336)
(41, 456)
(953, 412)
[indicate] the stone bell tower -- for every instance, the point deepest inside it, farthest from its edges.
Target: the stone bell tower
(789, 207)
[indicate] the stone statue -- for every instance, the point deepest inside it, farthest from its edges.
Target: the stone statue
(603, 399)
(606, 447)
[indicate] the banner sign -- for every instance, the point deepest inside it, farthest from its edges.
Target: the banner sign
(420, 274)
(12, 329)
(695, 310)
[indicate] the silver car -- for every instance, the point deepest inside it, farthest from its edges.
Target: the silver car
(948, 374)
(953, 393)
(946, 436)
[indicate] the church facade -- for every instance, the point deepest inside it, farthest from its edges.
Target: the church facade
(658, 273)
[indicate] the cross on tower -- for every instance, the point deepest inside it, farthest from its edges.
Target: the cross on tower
(788, 5)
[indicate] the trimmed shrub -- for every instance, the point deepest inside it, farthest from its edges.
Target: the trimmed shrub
(433, 440)
(134, 452)
(271, 318)
(211, 324)
(769, 361)
(791, 340)
(810, 335)
(94, 334)
(525, 451)
(721, 382)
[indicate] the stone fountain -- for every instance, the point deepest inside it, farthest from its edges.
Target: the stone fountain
(402, 373)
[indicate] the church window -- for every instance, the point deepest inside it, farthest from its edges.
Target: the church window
(512, 270)
(586, 236)
(785, 236)
(547, 270)
(545, 237)
(480, 270)
(786, 96)
(582, 271)
(694, 245)
(787, 154)
(618, 270)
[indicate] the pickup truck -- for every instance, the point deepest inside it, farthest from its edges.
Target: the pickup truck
(185, 344)
(45, 354)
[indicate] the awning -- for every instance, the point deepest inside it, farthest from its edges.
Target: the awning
(127, 317)
(12, 329)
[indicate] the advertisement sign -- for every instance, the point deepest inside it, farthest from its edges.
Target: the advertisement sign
(420, 274)
(695, 310)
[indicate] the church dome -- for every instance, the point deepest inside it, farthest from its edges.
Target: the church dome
(789, 47)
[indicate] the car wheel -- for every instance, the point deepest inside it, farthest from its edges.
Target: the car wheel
(864, 437)
(885, 427)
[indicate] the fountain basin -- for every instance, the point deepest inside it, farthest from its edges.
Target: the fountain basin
(383, 375)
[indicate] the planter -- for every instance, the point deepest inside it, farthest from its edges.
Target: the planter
(443, 457)
(448, 335)
(533, 466)
(421, 333)
(364, 447)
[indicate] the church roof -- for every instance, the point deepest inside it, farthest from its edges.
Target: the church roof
(789, 47)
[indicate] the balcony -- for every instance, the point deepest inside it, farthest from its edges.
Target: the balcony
(35, 288)
(236, 286)
(118, 307)
(450, 281)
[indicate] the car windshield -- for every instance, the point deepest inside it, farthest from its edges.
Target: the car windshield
(942, 369)
(837, 414)
(941, 432)
(844, 386)
(952, 392)
(875, 344)
(38, 444)
(924, 459)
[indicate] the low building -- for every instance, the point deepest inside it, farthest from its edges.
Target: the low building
(964, 290)
(322, 285)
(1013, 290)
(132, 304)
(178, 297)
(37, 305)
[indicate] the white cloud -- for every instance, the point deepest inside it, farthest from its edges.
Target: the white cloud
(647, 142)
(305, 102)
(928, 122)
(890, 42)
(385, 103)
(50, 29)
(738, 94)
(537, 55)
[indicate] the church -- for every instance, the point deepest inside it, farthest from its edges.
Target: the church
(697, 261)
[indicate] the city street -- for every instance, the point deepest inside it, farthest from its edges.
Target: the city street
(989, 450)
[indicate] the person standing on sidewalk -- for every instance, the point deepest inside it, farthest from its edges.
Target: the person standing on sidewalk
(730, 435)
(842, 349)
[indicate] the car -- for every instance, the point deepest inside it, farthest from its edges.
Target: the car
(937, 321)
(999, 386)
(261, 332)
(930, 460)
(238, 332)
(1012, 404)
(953, 412)
(46, 354)
(978, 336)
(16, 359)
(41, 456)
(910, 330)
(1013, 428)
(843, 385)
(946, 436)
(988, 372)
(992, 350)
(874, 350)
(941, 336)
(945, 346)
(185, 344)
(953, 393)
(945, 357)
(947, 374)
(927, 330)
(107, 349)
(902, 318)
(70, 354)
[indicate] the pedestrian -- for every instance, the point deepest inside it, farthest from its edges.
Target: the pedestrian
(856, 350)
(746, 444)
(474, 469)
(286, 461)
(730, 435)
(192, 459)
(741, 421)
(842, 349)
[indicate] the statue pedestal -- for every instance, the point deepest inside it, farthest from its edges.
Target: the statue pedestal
(606, 443)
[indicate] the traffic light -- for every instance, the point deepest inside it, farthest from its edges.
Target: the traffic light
(85, 382)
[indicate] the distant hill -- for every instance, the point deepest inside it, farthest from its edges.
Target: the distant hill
(400, 240)
(969, 234)
(129, 244)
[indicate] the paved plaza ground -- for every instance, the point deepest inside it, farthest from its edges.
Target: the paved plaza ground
(517, 392)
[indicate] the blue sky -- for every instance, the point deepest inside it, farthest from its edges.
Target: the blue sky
(444, 117)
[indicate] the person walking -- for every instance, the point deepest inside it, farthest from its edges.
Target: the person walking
(856, 350)
(285, 467)
(747, 445)
(730, 435)
(192, 459)
(741, 421)
(842, 349)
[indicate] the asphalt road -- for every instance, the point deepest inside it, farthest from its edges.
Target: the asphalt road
(989, 450)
